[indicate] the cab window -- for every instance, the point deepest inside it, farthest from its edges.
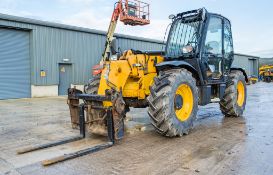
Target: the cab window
(213, 44)
(214, 48)
(228, 45)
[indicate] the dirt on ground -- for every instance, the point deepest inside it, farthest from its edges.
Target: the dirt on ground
(216, 145)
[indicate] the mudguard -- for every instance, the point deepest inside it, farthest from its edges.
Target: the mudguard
(177, 64)
(242, 70)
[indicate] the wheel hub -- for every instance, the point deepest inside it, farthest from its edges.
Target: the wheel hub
(178, 102)
(183, 102)
(240, 94)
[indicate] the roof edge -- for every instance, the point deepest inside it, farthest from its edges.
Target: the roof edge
(239, 54)
(70, 27)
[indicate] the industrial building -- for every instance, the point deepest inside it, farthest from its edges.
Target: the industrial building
(40, 58)
(249, 63)
(265, 61)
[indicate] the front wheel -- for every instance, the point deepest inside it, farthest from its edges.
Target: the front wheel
(234, 101)
(173, 102)
(95, 119)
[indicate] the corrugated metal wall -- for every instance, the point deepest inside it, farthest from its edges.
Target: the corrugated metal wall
(249, 63)
(264, 61)
(14, 64)
(125, 44)
(50, 45)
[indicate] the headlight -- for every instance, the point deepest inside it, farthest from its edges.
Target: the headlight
(187, 49)
(114, 57)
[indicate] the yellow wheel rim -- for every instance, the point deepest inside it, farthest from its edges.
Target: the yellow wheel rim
(183, 102)
(240, 93)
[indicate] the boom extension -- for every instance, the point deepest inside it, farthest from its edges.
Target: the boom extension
(132, 13)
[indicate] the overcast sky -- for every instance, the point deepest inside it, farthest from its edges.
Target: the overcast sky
(252, 22)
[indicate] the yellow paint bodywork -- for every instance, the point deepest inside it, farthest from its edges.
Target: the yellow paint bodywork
(266, 70)
(132, 75)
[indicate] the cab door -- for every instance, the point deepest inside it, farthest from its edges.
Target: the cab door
(212, 57)
(228, 47)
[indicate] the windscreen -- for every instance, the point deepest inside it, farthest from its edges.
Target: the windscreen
(183, 33)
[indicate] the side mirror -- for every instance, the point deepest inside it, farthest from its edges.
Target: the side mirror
(114, 46)
(171, 17)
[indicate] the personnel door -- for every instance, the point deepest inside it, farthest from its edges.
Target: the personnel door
(65, 78)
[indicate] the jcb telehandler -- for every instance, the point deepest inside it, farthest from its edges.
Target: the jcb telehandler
(194, 69)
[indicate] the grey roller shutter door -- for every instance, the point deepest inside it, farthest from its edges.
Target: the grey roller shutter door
(14, 64)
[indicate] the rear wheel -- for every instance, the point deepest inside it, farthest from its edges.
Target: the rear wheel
(234, 100)
(173, 102)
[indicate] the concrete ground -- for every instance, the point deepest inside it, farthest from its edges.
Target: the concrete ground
(216, 145)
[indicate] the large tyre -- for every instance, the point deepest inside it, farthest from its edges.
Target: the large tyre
(234, 101)
(93, 86)
(99, 126)
(173, 102)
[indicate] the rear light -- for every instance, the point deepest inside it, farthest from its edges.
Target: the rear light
(97, 69)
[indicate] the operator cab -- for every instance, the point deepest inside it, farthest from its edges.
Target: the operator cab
(204, 40)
